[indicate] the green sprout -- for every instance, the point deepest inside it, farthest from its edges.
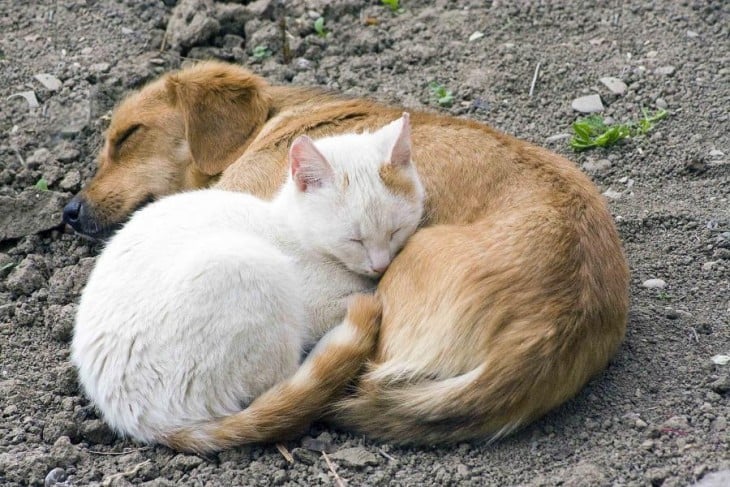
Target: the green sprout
(42, 184)
(261, 52)
(319, 27)
(443, 97)
(393, 5)
(592, 131)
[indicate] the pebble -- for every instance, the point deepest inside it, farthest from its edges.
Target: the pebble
(588, 104)
(598, 166)
(692, 34)
(96, 431)
(707, 266)
(184, 463)
(28, 276)
(191, 23)
(661, 103)
(722, 384)
(127, 31)
(72, 181)
(640, 424)
(49, 81)
(55, 476)
(720, 359)
(357, 457)
(557, 138)
(654, 284)
(716, 153)
(665, 70)
(29, 96)
(715, 479)
(614, 85)
(612, 194)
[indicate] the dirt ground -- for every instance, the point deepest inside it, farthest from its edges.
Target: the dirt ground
(657, 416)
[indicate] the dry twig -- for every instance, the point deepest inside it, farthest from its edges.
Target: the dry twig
(338, 480)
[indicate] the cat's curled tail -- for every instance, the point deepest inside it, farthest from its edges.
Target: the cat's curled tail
(289, 407)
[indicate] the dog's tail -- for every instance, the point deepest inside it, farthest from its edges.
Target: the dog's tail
(289, 407)
(517, 383)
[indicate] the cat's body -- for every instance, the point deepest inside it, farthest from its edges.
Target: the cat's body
(205, 300)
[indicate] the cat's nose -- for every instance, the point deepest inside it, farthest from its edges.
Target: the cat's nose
(379, 261)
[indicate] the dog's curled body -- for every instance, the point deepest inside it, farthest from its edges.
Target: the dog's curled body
(204, 300)
(508, 300)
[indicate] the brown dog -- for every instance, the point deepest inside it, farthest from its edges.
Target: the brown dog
(502, 307)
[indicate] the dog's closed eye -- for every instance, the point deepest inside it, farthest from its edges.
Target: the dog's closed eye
(124, 136)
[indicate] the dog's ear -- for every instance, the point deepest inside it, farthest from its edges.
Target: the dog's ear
(222, 106)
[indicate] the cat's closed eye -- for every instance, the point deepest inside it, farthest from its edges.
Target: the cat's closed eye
(356, 240)
(394, 232)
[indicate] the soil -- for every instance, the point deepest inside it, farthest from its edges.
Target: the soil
(657, 416)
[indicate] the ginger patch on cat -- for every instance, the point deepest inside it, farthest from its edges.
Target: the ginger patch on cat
(397, 181)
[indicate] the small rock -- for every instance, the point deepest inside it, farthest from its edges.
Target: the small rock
(598, 166)
(50, 82)
(707, 266)
(192, 23)
(475, 36)
(71, 181)
(357, 457)
(676, 423)
(184, 463)
(96, 431)
(307, 457)
(302, 64)
(57, 427)
(557, 138)
(692, 34)
(640, 424)
(127, 31)
(30, 212)
(654, 284)
(28, 276)
(64, 453)
(715, 479)
(722, 384)
(612, 194)
(661, 103)
(720, 424)
(99, 67)
(665, 70)
(720, 359)
(38, 158)
(588, 104)
(716, 153)
(55, 476)
(65, 152)
(585, 473)
(29, 96)
(614, 85)
(656, 476)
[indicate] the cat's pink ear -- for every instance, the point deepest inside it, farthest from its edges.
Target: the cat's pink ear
(400, 155)
(309, 168)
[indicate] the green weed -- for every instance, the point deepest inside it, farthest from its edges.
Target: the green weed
(261, 52)
(319, 27)
(42, 184)
(592, 131)
(393, 5)
(443, 96)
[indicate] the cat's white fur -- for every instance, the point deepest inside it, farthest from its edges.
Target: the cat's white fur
(204, 300)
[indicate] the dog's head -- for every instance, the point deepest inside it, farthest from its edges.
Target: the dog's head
(177, 133)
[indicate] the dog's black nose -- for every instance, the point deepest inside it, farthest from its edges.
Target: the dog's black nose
(72, 211)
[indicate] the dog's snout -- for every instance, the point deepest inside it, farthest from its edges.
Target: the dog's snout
(72, 211)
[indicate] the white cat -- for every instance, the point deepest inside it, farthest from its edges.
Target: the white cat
(204, 300)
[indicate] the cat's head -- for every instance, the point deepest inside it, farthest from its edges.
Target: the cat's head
(357, 196)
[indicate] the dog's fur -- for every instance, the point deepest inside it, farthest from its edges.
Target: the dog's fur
(509, 300)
